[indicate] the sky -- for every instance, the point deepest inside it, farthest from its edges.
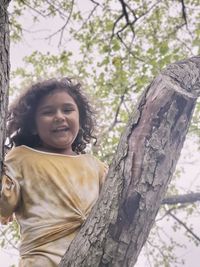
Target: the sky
(189, 161)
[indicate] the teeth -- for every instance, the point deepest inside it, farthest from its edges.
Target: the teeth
(60, 130)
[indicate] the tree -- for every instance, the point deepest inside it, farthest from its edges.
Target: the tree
(143, 166)
(133, 40)
(4, 72)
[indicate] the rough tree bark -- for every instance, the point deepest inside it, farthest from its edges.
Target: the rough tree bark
(4, 72)
(147, 154)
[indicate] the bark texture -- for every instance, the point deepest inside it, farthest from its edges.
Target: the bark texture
(147, 154)
(4, 73)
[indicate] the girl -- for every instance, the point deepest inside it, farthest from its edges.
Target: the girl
(49, 182)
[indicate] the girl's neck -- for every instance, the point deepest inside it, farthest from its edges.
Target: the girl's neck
(57, 151)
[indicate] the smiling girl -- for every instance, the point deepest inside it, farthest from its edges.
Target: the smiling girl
(49, 183)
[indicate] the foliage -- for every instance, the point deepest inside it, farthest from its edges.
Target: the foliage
(118, 56)
(10, 235)
(119, 47)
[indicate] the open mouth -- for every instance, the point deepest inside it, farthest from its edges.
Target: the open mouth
(60, 129)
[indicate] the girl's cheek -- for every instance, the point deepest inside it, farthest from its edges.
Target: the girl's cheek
(47, 119)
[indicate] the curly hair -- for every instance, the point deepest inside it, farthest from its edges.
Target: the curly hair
(21, 114)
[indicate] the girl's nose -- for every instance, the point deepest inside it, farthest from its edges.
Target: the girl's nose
(59, 116)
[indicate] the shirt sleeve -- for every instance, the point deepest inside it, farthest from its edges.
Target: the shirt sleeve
(10, 194)
(10, 190)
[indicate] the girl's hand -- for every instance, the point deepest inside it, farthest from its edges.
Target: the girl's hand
(6, 220)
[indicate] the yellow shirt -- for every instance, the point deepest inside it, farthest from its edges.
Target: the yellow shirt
(51, 195)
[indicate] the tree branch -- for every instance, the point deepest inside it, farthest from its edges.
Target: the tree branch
(119, 224)
(184, 15)
(115, 25)
(185, 226)
(89, 16)
(125, 14)
(5, 235)
(34, 9)
(182, 199)
(115, 121)
(94, 2)
(129, 23)
(128, 48)
(61, 30)
(57, 8)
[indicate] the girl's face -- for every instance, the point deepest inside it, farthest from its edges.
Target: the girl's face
(57, 122)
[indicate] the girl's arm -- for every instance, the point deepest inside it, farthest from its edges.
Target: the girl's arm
(9, 198)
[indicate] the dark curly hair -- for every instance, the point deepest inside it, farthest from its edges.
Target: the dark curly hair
(21, 114)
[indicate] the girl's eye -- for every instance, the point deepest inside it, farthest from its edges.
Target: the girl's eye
(47, 112)
(67, 110)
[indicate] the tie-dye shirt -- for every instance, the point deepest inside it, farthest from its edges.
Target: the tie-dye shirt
(51, 196)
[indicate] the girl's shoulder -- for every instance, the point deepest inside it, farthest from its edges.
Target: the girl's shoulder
(19, 150)
(19, 154)
(13, 162)
(25, 154)
(14, 151)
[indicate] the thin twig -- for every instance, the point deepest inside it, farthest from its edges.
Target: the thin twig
(115, 121)
(115, 24)
(62, 29)
(94, 2)
(57, 8)
(35, 10)
(185, 226)
(125, 13)
(89, 16)
(128, 49)
(8, 240)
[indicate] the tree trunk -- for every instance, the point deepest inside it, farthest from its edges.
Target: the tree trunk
(147, 154)
(4, 73)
